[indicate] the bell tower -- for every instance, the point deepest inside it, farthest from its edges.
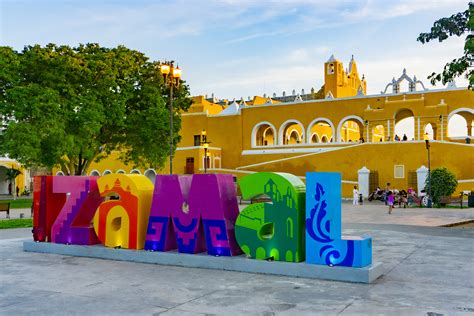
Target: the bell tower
(332, 76)
(339, 83)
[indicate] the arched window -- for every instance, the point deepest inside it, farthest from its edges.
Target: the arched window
(314, 138)
(263, 134)
(60, 173)
(460, 123)
(431, 130)
(95, 173)
(121, 171)
(293, 137)
(320, 126)
(106, 172)
(291, 132)
(324, 139)
(351, 128)
(150, 174)
(404, 124)
(135, 171)
(378, 133)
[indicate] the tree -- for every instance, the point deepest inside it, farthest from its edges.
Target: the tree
(443, 183)
(68, 107)
(457, 24)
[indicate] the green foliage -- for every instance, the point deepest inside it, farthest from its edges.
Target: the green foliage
(70, 106)
(443, 183)
(11, 174)
(16, 223)
(456, 25)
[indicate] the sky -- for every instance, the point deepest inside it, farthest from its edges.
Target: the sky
(241, 48)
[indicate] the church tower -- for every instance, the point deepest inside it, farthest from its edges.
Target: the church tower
(340, 83)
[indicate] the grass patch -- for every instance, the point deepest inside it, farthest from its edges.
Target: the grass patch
(19, 203)
(16, 223)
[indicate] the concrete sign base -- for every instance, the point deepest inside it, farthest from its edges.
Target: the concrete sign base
(238, 263)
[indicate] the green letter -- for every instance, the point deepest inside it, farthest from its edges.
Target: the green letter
(272, 230)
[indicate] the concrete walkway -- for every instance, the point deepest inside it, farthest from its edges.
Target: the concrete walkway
(377, 213)
(427, 270)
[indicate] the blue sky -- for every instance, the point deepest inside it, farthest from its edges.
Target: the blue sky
(240, 48)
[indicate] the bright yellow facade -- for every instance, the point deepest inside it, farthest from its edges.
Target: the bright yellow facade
(344, 132)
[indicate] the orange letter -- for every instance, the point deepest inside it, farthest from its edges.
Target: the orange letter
(121, 221)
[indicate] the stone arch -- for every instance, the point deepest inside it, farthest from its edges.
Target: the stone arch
(289, 125)
(294, 136)
(460, 110)
(354, 118)
(150, 174)
(407, 119)
(94, 173)
(378, 133)
(431, 128)
(314, 138)
(320, 126)
(263, 134)
(458, 115)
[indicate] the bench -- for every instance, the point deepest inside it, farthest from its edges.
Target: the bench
(445, 200)
(5, 207)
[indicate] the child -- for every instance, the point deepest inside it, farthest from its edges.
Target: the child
(390, 201)
(355, 196)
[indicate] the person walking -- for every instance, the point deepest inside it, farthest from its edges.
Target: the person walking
(390, 201)
(17, 191)
(385, 193)
(355, 196)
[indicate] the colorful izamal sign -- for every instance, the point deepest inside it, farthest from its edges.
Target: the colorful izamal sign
(200, 213)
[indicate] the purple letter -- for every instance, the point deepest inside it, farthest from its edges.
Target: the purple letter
(203, 209)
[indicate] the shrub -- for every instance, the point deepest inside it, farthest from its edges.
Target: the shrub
(443, 183)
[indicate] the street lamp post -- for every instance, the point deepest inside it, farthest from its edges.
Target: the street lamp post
(172, 77)
(205, 144)
(428, 145)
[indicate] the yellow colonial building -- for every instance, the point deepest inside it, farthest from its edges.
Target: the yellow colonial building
(346, 131)
(22, 181)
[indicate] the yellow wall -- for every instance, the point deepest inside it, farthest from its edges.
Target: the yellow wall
(231, 137)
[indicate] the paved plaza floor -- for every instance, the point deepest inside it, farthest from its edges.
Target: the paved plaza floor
(428, 271)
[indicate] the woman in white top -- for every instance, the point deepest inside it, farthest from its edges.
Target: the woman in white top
(355, 193)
